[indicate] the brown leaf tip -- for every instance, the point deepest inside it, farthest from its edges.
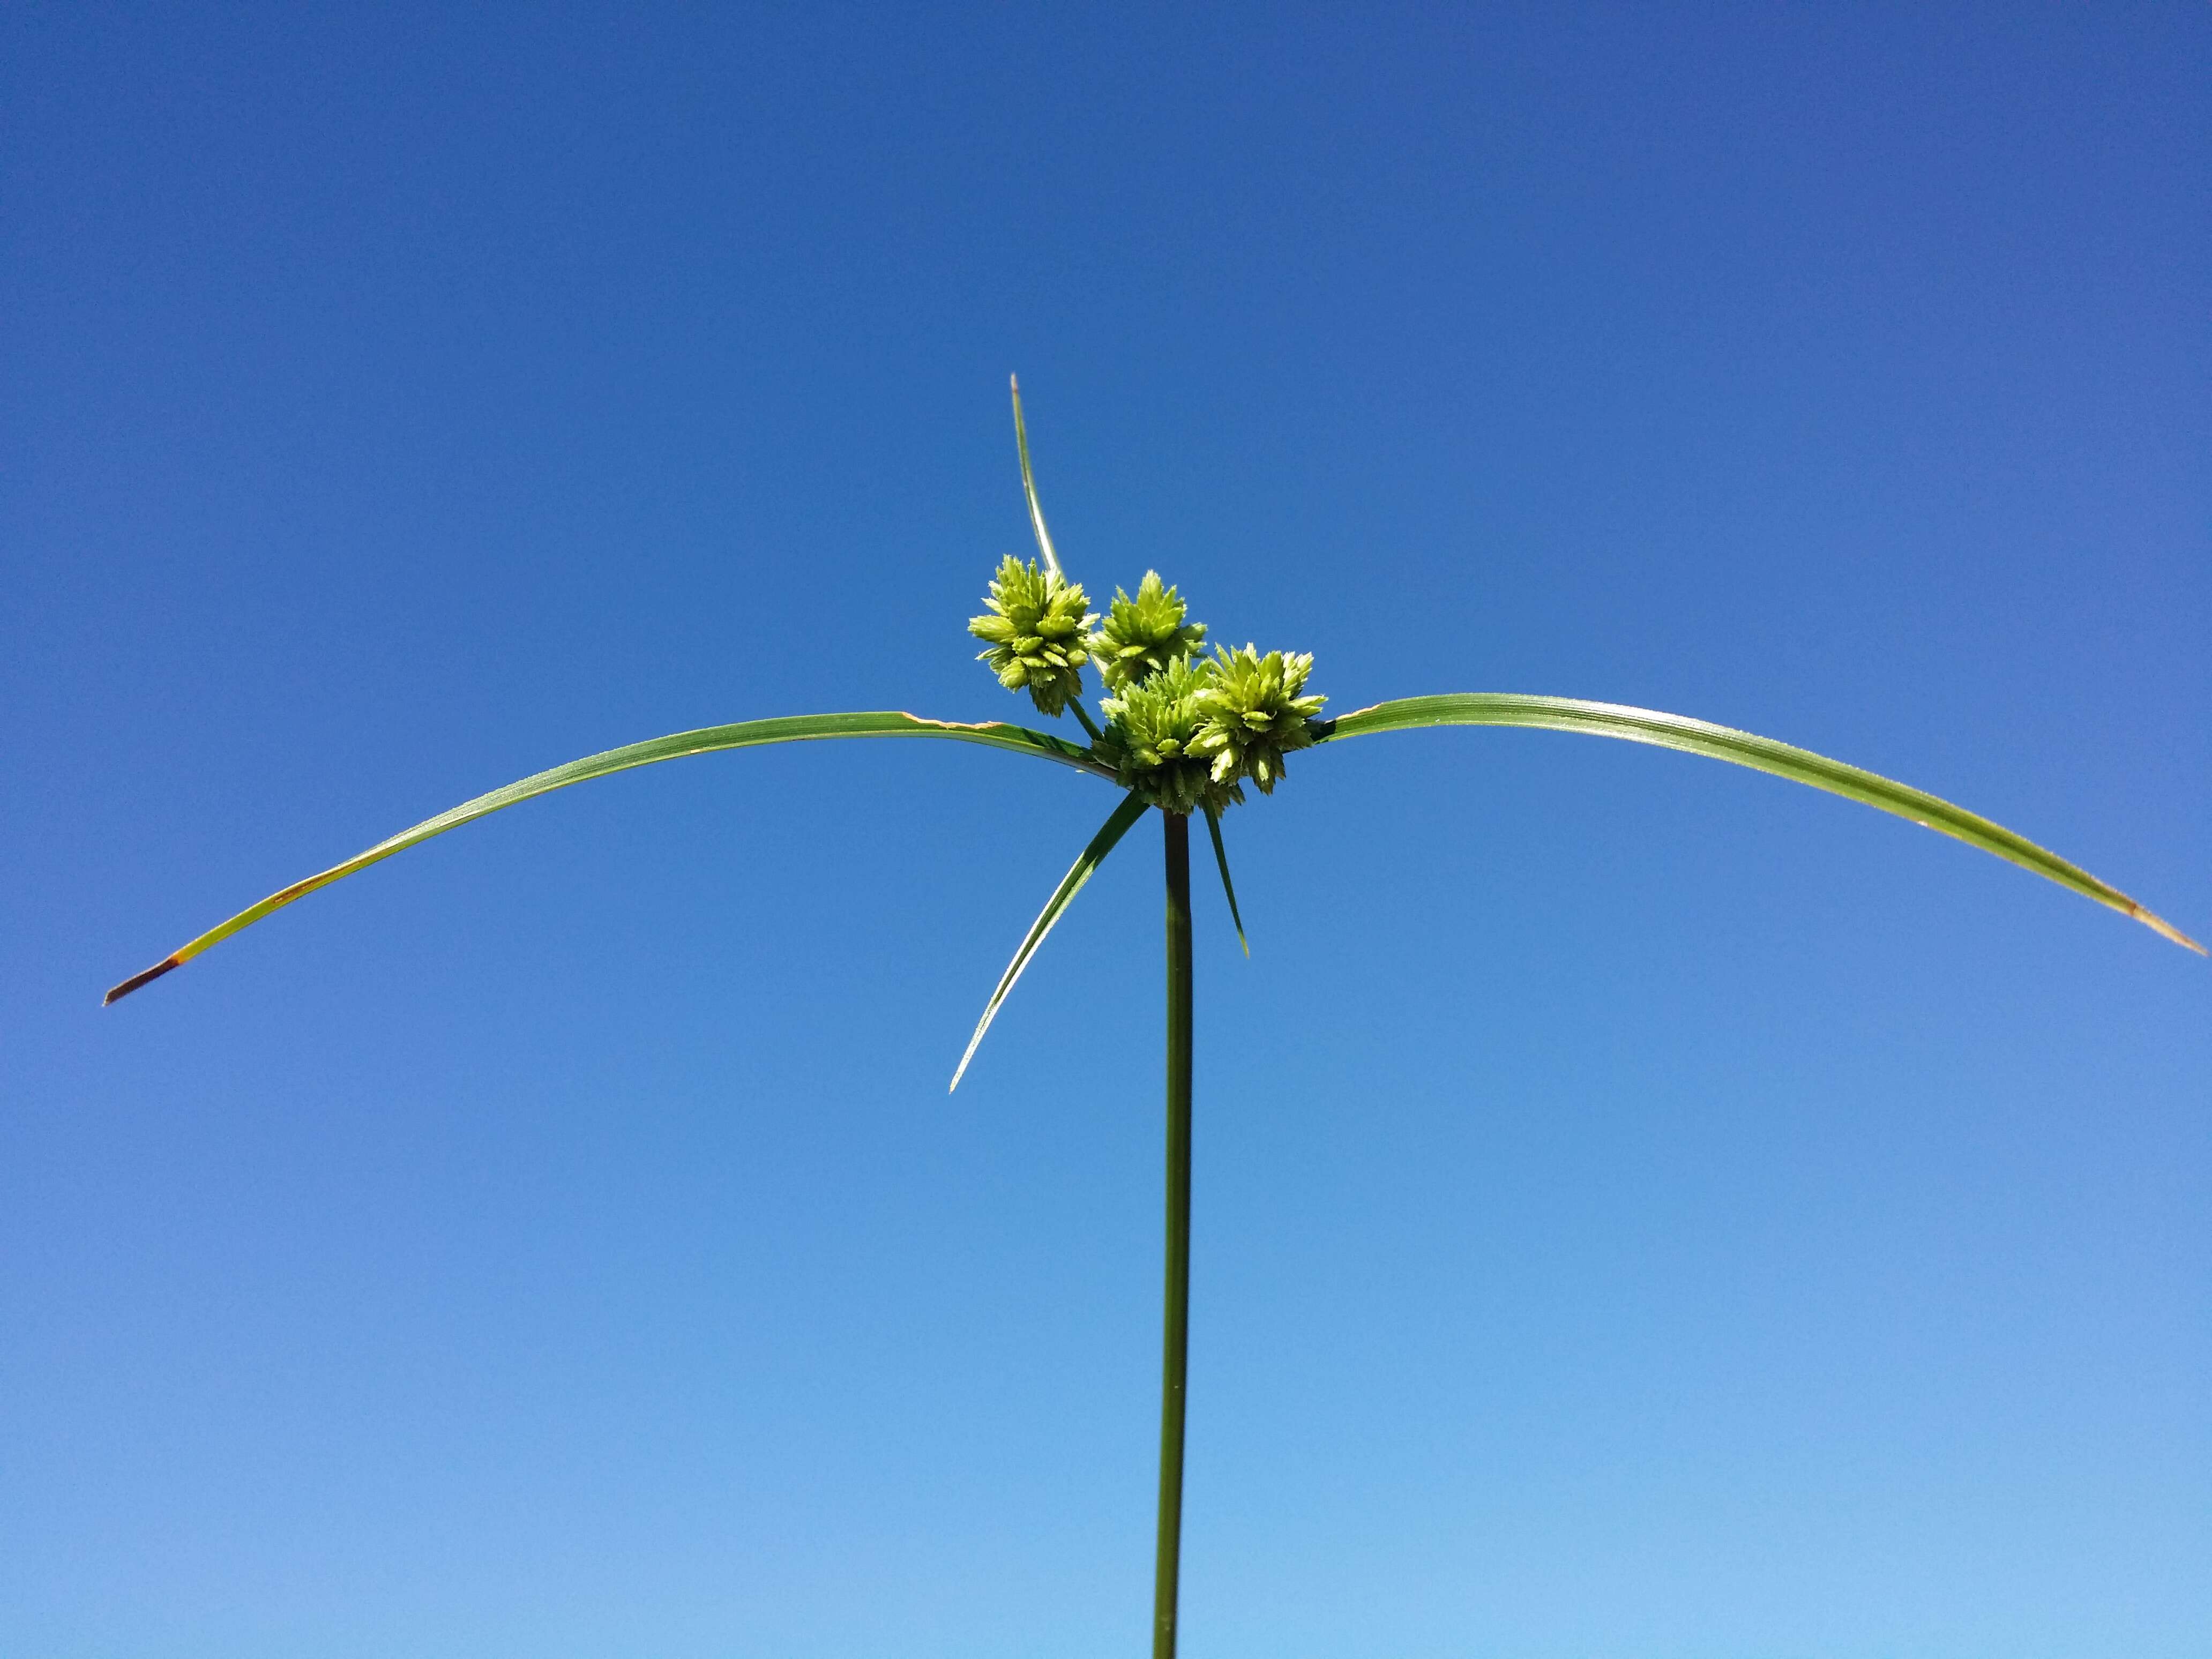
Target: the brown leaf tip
(2167, 929)
(138, 980)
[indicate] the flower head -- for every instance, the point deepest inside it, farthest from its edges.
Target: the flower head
(1036, 632)
(1152, 728)
(1253, 714)
(1141, 636)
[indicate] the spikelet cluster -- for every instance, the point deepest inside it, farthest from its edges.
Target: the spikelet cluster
(1036, 633)
(1141, 636)
(1253, 714)
(1184, 731)
(1153, 732)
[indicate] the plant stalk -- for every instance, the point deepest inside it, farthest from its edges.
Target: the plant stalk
(1175, 1347)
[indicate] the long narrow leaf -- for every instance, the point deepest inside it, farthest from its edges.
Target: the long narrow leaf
(744, 734)
(1221, 857)
(1111, 832)
(1606, 720)
(1028, 484)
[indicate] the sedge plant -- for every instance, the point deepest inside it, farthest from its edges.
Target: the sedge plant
(1184, 730)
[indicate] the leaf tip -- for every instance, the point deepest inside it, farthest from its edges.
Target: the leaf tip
(137, 979)
(2158, 924)
(961, 1070)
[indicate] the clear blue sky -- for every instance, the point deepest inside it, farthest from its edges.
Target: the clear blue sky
(1642, 1208)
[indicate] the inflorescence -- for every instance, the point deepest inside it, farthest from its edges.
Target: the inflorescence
(1153, 733)
(1183, 731)
(1036, 631)
(1143, 635)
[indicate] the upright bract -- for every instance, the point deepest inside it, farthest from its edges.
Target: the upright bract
(1183, 732)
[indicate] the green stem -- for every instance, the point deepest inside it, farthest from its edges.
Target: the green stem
(1084, 715)
(1176, 1336)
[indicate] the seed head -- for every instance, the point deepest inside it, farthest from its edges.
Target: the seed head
(1141, 636)
(1253, 714)
(1037, 633)
(1152, 732)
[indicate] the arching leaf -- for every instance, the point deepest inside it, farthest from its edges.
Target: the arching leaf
(707, 740)
(1607, 720)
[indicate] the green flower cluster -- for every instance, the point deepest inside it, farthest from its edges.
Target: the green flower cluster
(1037, 633)
(1190, 735)
(1183, 731)
(1154, 732)
(1253, 714)
(1141, 636)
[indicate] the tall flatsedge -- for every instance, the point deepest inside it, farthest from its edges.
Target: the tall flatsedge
(1183, 732)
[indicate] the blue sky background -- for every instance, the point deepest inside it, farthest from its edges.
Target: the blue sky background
(1642, 1207)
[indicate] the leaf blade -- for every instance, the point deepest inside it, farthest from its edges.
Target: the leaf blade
(711, 739)
(1229, 887)
(1696, 736)
(1028, 484)
(1092, 857)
